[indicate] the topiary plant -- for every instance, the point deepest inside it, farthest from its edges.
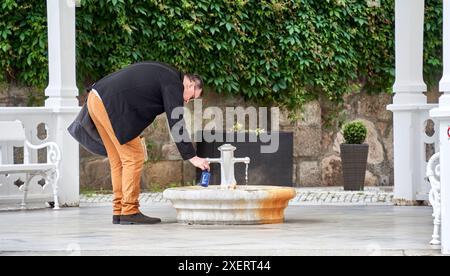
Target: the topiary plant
(354, 132)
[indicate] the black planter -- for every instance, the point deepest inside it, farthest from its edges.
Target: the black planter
(264, 168)
(354, 164)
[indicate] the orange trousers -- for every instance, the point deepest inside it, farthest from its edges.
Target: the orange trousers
(126, 160)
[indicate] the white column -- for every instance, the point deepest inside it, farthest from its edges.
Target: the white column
(444, 84)
(443, 114)
(62, 88)
(62, 92)
(409, 20)
(409, 101)
(69, 181)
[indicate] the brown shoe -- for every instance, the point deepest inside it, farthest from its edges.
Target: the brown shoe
(138, 218)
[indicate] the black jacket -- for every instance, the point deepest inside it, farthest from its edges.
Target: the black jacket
(133, 97)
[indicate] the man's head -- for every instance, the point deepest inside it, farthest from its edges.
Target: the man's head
(193, 86)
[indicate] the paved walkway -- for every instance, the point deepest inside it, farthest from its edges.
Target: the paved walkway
(305, 196)
(308, 230)
(319, 221)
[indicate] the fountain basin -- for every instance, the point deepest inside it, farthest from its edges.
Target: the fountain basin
(243, 205)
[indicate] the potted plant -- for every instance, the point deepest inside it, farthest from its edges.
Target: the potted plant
(354, 155)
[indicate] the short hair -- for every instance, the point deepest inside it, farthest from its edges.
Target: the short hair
(198, 80)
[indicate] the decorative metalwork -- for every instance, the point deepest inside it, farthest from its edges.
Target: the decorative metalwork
(19, 183)
(42, 183)
(433, 176)
(54, 158)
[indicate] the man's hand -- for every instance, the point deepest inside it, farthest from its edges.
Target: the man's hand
(200, 163)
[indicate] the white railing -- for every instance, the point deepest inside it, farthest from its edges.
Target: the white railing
(412, 145)
(429, 145)
(434, 177)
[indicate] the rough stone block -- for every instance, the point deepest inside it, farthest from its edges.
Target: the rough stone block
(374, 106)
(370, 179)
(332, 171)
(189, 173)
(158, 131)
(307, 141)
(170, 152)
(95, 174)
(162, 173)
(311, 114)
(309, 174)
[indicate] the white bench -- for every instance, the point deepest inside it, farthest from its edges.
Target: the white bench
(12, 133)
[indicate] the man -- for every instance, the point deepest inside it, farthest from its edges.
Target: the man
(119, 107)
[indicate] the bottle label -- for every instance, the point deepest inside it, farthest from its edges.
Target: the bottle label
(205, 179)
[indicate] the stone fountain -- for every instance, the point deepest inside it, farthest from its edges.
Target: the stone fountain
(229, 203)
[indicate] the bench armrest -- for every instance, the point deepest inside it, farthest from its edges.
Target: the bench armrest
(54, 153)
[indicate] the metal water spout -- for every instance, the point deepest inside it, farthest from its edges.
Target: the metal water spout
(227, 161)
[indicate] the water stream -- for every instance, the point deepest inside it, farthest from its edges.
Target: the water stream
(246, 174)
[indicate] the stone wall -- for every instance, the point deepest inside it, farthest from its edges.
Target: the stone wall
(317, 159)
(12, 95)
(316, 147)
(164, 168)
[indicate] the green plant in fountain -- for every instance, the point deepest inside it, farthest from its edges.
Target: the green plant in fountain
(355, 132)
(237, 127)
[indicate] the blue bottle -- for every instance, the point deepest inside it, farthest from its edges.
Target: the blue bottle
(205, 179)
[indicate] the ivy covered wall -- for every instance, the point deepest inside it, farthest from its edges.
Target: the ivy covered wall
(277, 52)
